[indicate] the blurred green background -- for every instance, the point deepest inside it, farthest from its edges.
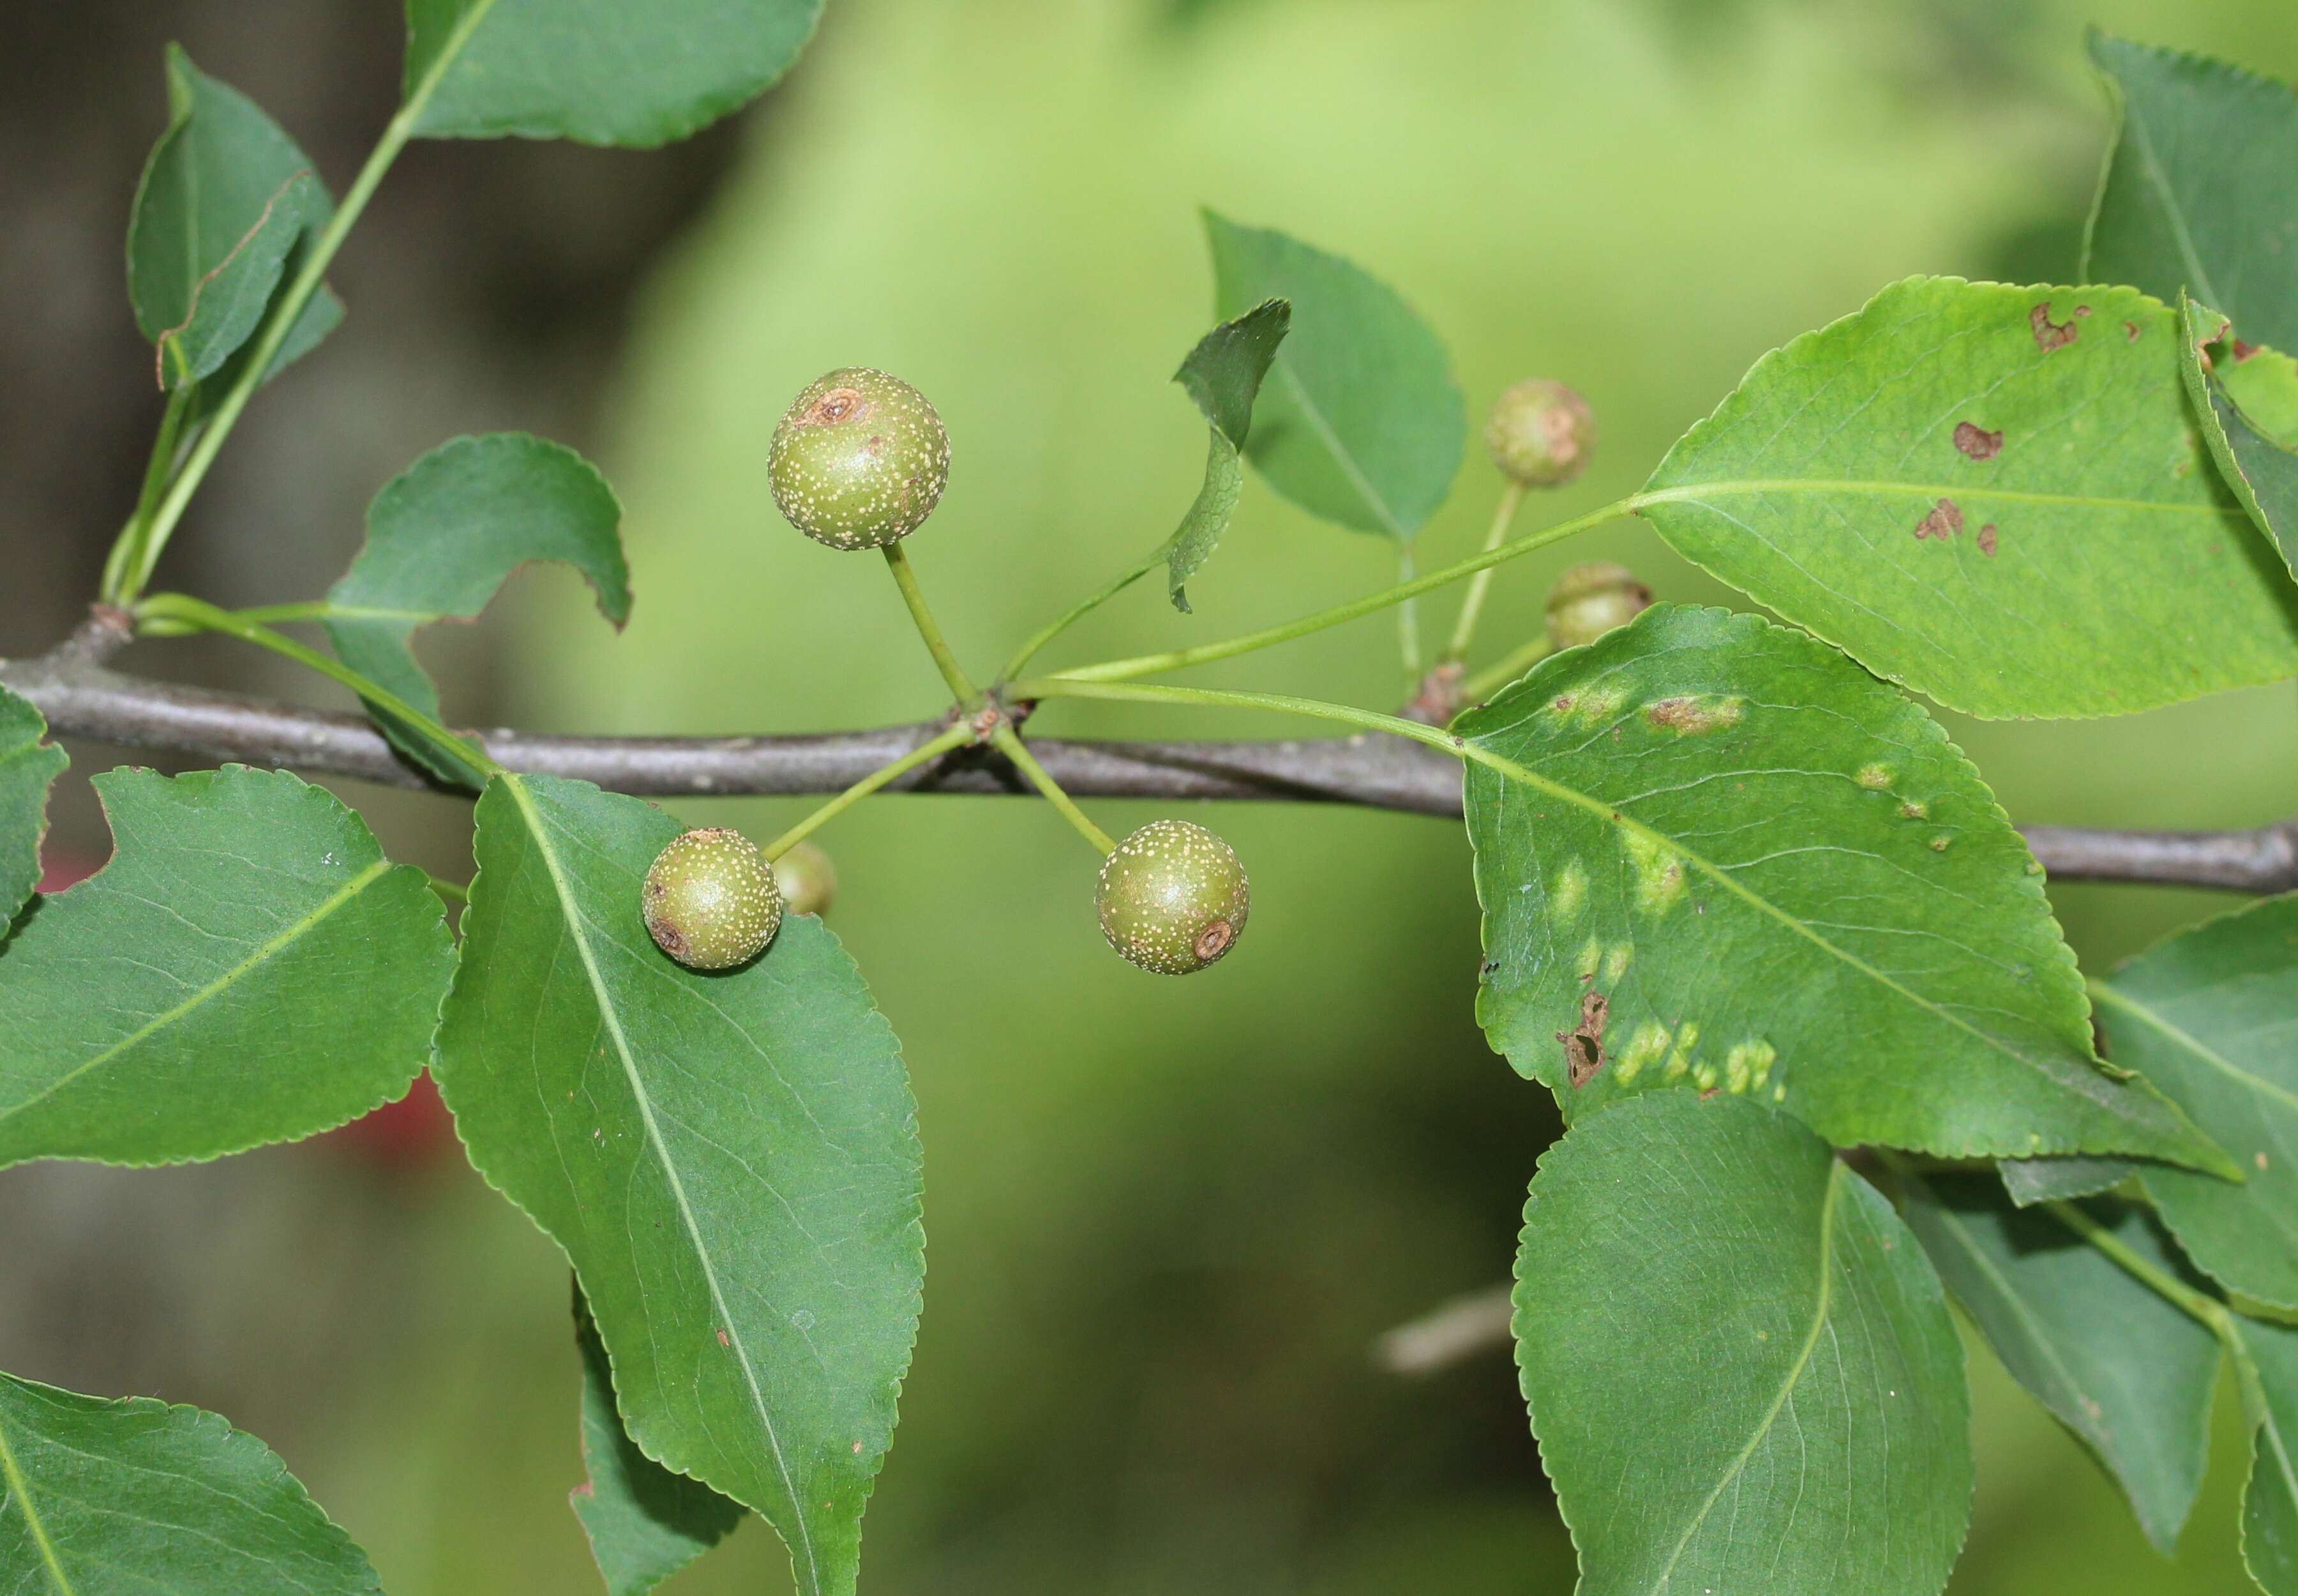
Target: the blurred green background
(1167, 1220)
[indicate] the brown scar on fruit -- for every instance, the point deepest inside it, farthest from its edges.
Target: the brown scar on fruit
(1977, 441)
(1584, 1044)
(2053, 334)
(1987, 540)
(1942, 521)
(1213, 940)
(839, 404)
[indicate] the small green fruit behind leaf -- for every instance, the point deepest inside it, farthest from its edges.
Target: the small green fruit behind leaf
(1589, 600)
(1540, 433)
(859, 460)
(1173, 898)
(808, 881)
(710, 900)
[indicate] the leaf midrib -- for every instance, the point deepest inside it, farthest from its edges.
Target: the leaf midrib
(1692, 493)
(611, 1018)
(2108, 994)
(1342, 458)
(296, 931)
(1787, 1387)
(20, 1491)
(2160, 181)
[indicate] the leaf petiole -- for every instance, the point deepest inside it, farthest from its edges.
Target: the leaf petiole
(182, 610)
(1077, 612)
(1149, 665)
(1472, 604)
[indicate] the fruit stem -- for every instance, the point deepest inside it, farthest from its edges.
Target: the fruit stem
(925, 753)
(1472, 607)
(281, 320)
(954, 674)
(1407, 622)
(181, 609)
(1009, 743)
(1481, 686)
(1077, 612)
(1150, 665)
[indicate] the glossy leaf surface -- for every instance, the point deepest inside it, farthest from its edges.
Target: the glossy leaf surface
(730, 1160)
(247, 969)
(1741, 1370)
(1732, 861)
(1993, 494)
(1359, 422)
(99, 1497)
(28, 765)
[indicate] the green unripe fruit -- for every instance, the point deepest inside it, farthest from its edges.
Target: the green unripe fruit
(859, 460)
(1589, 600)
(710, 900)
(807, 878)
(1540, 433)
(1173, 898)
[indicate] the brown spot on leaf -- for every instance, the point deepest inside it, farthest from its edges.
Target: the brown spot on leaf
(2130, 332)
(1564, 702)
(2052, 334)
(1584, 1044)
(1987, 540)
(1977, 441)
(2243, 351)
(1942, 521)
(722, 1339)
(1692, 718)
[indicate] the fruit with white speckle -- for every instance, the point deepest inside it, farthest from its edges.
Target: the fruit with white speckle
(1173, 898)
(859, 460)
(710, 901)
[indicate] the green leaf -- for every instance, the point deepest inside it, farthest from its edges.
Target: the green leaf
(2210, 1015)
(99, 1497)
(2032, 1180)
(730, 1160)
(598, 71)
(1360, 423)
(644, 1523)
(247, 969)
(444, 535)
(2201, 190)
(27, 766)
(2269, 1500)
(228, 201)
(1742, 1372)
(1993, 494)
(1730, 860)
(2128, 1372)
(1222, 373)
(2246, 402)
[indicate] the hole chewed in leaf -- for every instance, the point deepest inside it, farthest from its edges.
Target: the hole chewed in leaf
(1584, 1044)
(1977, 441)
